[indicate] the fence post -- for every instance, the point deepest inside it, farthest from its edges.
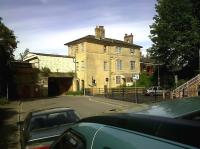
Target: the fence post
(171, 94)
(163, 95)
(123, 93)
(136, 95)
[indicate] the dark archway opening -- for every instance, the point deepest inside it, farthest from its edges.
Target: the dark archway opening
(58, 85)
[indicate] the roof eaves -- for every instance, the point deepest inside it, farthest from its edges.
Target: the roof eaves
(108, 41)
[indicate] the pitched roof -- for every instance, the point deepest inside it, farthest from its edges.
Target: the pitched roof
(52, 55)
(105, 41)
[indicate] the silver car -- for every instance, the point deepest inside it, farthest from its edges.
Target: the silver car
(155, 90)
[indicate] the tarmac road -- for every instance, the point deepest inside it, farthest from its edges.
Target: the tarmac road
(84, 105)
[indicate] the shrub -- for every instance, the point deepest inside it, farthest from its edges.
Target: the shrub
(45, 71)
(3, 101)
(144, 81)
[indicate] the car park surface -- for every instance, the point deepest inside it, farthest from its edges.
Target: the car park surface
(40, 128)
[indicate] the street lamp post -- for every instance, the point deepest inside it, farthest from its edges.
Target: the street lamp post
(75, 74)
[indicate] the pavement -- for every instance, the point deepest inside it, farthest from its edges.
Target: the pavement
(9, 134)
(85, 105)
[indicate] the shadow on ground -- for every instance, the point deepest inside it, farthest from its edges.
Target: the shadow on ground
(8, 128)
(38, 98)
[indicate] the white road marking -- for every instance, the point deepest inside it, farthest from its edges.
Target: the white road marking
(108, 103)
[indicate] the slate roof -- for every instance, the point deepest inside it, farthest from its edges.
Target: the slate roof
(104, 41)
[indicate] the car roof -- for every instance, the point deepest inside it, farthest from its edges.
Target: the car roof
(50, 110)
(166, 128)
(172, 108)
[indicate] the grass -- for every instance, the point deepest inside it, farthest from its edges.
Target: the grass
(3, 101)
(74, 93)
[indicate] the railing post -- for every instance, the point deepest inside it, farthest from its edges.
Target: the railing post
(123, 93)
(163, 95)
(137, 95)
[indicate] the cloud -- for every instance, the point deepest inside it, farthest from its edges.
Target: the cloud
(53, 42)
(45, 25)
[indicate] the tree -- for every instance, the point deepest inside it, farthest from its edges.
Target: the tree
(45, 71)
(23, 54)
(8, 44)
(175, 34)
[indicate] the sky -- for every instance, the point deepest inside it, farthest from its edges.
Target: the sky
(46, 25)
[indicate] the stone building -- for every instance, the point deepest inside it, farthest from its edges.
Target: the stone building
(56, 63)
(103, 62)
(60, 78)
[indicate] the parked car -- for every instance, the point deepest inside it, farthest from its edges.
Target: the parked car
(155, 90)
(41, 128)
(176, 128)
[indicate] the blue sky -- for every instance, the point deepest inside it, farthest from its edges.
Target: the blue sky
(45, 25)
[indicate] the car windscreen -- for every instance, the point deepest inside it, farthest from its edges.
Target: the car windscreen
(52, 119)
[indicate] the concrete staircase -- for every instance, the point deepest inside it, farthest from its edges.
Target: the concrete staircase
(188, 89)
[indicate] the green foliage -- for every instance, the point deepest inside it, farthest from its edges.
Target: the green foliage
(3, 101)
(175, 34)
(145, 80)
(23, 54)
(74, 93)
(8, 44)
(45, 71)
(180, 82)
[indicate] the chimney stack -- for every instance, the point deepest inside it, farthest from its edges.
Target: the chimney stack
(99, 32)
(128, 38)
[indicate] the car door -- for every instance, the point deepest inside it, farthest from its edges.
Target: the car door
(115, 138)
(159, 91)
(24, 131)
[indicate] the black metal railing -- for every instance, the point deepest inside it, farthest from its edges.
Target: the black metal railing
(136, 95)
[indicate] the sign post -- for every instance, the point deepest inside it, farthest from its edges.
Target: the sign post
(136, 77)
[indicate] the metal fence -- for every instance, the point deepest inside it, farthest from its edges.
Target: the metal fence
(136, 95)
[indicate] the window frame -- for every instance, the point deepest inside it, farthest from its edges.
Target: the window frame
(132, 65)
(118, 79)
(118, 64)
(105, 66)
(118, 49)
